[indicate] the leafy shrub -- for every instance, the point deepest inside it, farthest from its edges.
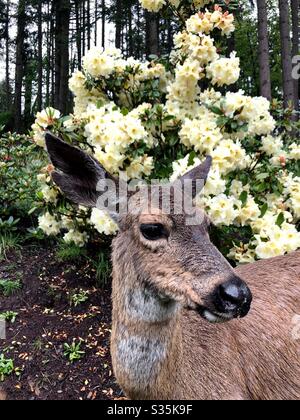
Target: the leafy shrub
(6, 120)
(20, 163)
(157, 120)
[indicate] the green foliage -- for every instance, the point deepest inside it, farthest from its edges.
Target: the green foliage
(102, 266)
(78, 298)
(10, 287)
(20, 163)
(69, 252)
(6, 367)
(9, 225)
(6, 119)
(9, 316)
(9, 241)
(73, 352)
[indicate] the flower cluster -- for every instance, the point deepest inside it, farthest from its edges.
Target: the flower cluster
(44, 120)
(208, 21)
(112, 152)
(224, 71)
(157, 5)
(144, 120)
(153, 5)
(196, 57)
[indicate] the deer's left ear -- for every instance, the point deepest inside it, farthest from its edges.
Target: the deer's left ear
(76, 173)
(200, 173)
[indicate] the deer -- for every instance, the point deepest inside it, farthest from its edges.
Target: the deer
(186, 325)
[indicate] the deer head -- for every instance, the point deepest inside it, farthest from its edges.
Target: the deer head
(172, 257)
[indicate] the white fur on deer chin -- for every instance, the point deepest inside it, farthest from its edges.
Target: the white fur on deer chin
(141, 358)
(143, 304)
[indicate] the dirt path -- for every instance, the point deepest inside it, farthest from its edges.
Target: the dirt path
(46, 321)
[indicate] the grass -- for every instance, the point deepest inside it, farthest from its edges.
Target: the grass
(103, 269)
(8, 242)
(9, 287)
(69, 253)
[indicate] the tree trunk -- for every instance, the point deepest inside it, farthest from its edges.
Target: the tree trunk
(21, 23)
(7, 77)
(170, 36)
(119, 12)
(28, 94)
(152, 34)
(89, 24)
(52, 54)
(96, 23)
(65, 11)
(130, 32)
(83, 26)
(57, 55)
(295, 5)
(78, 32)
(49, 50)
(139, 53)
(264, 55)
(103, 22)
(40, 56)
(286, 56)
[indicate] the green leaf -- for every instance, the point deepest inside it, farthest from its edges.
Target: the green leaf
(192, 158)
(169, 118)
(264, 209)
(124, 111)
(234, 125)
(216, 110)
(280, 219)
(64, 119)
(260, 187)
(221, 121)
(32, 210)
(244, 198)
(262, 177)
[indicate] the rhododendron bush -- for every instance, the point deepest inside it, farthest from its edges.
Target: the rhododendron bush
(150, 120)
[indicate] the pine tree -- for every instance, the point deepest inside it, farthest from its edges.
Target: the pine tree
(264, 57)
(295, 6)
(21, 24)
(286, 56)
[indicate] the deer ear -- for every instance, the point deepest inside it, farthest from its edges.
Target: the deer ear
(199, 173)
(76, 173)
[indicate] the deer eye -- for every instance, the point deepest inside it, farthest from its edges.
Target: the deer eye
(154, 232)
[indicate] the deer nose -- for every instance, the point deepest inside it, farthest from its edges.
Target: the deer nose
(233, 297)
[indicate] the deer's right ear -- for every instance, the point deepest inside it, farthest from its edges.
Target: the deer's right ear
(76, 173)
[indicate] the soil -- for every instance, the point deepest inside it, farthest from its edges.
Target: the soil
(46, 321)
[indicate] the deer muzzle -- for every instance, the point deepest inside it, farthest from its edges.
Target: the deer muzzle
(230, 300)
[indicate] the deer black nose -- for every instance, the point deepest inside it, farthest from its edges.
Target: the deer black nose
(233, 297)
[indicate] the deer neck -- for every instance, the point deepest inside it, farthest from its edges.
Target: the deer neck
(146, 336)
